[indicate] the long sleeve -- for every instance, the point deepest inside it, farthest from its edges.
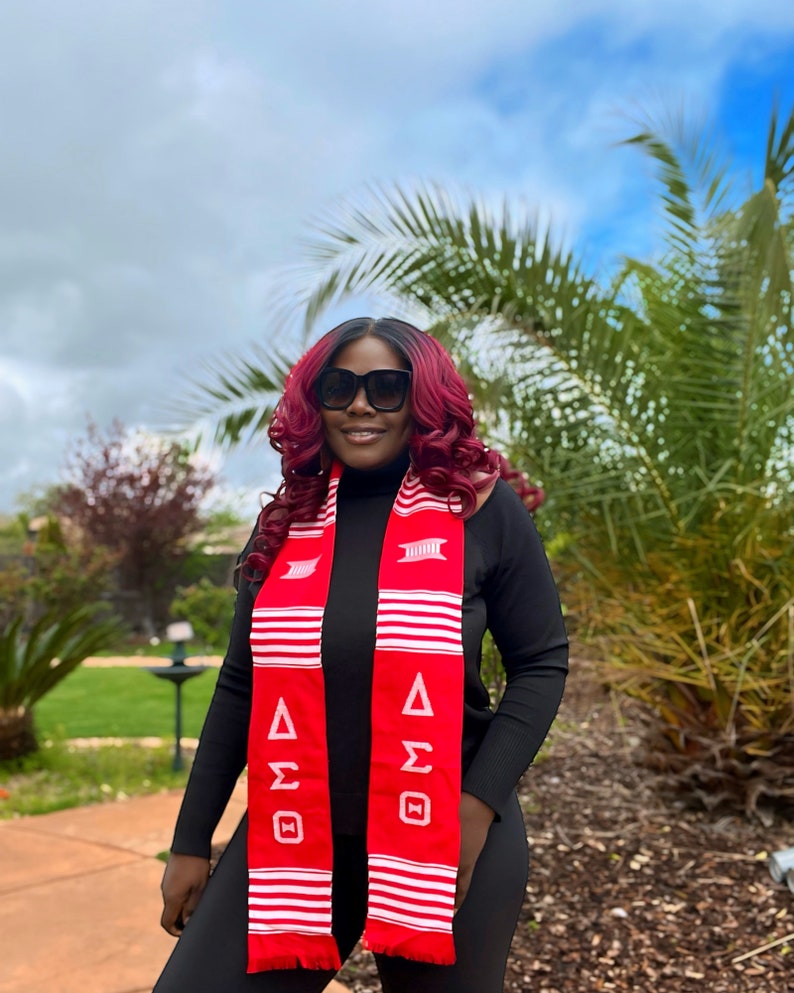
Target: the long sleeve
(524, 616)
(223, 745)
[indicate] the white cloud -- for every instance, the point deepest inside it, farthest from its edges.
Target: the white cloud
(159, 160)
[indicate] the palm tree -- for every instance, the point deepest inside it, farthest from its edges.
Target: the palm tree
(657, 411)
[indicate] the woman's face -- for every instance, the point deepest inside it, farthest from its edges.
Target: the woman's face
(359, 435)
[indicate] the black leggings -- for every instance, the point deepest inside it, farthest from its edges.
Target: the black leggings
(211, 955)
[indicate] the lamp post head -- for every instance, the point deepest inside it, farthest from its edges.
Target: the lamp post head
(179, 632)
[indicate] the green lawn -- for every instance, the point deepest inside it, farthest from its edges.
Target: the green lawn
(122, 702)
(59, 775)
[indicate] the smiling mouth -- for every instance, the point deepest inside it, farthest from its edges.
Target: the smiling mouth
(360, 435)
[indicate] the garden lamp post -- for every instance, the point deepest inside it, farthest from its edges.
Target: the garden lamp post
(177, 673)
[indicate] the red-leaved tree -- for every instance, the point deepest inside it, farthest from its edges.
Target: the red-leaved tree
(140, 498)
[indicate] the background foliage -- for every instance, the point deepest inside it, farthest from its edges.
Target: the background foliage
(654, 405)
(138, 498)
(35, 658)
(209, 609)
(117, 538)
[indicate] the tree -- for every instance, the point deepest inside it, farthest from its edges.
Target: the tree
(140, 498)
(655, 408)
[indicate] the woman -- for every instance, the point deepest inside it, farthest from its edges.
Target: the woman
(381, 785)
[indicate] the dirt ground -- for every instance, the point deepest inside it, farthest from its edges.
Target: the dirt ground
(630, 890)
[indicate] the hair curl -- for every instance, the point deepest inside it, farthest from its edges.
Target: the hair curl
(444, 450)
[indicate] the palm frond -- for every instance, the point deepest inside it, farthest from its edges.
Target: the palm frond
(779, 162)
(695, 178)
(235, 400)
(557, 330)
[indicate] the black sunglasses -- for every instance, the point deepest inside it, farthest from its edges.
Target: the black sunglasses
(386, 389)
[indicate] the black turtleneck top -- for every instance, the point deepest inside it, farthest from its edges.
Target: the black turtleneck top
(508, 588)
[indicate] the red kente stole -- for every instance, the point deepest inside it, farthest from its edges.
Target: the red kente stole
(413, 836)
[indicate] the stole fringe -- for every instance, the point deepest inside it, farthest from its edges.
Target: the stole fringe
(325, 957)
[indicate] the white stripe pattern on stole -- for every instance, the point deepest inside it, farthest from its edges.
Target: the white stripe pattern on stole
(419, 621)
(286, 636)
(416, 894)
(291, 900)
(413, 498)
(327, 515)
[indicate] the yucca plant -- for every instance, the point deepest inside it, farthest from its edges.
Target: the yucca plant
(34, 660)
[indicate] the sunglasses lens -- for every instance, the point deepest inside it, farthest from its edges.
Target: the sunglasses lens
(337, 388)
(387, 389)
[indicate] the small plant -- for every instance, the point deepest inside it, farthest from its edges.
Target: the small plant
(208, 608)
(34, 660)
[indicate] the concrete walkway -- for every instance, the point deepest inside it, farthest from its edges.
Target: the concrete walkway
(80, 896)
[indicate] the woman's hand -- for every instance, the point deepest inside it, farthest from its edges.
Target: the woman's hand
(183, 883)
(475, 820)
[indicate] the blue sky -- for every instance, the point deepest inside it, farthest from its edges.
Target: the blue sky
(161, 162)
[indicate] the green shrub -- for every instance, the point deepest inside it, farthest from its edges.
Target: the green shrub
(53, 574)
(33, 660)
(705, 637)
(208, 608)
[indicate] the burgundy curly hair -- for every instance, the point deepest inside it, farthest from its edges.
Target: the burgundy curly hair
(444, 450)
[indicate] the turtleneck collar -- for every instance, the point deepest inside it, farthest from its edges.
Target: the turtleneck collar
(374, 482)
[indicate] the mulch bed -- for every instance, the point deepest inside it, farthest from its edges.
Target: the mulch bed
(629, 889)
